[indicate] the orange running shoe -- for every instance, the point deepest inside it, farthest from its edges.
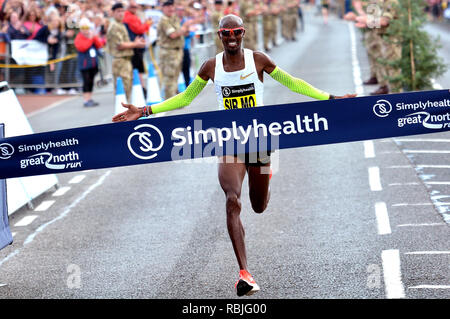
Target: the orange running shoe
(246, 285)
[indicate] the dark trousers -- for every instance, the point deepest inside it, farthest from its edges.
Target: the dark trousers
(186, 66)
(88, 79)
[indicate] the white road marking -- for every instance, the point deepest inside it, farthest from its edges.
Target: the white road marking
(407, 204)
(357, 80)
(421, 225)
(61, 191)
(430, 287)
(427, 151)
(404, 184)
(392, 274)
(68, 209)
(369, 149)
(374, 179)
(433, 166)
(30, 238)
(429, 252)
(437, 183)
(381, 213)
(77, 179)
(27, 220)
(434, 140)
(44, 206)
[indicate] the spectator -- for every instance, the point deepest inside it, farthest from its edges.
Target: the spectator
(121, 48)
(51, 34)
(232, 8)
(136, 28)
(32, 18)
(15, 28)
(87, 45)
(186, 62)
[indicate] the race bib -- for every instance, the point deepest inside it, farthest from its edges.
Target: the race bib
(239, 96)
(92, 53)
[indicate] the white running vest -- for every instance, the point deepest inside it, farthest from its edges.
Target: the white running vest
(238, 89)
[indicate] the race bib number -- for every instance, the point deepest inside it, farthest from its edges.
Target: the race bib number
(239, 96)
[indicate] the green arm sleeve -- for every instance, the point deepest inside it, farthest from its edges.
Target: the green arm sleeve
(298, 85)
(181, 99)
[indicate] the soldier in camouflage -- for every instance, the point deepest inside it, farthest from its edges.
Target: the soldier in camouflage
(171, 42)
(384, 11)
(121, 49)
(215, 19)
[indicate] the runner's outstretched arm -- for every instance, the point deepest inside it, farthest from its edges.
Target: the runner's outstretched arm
(180, 100)
(266, 64)
(298, 85)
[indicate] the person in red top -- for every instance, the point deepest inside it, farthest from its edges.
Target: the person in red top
(136, 29)
(87, 46)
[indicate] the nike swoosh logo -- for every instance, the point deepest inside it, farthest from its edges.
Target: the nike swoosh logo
(244, 77)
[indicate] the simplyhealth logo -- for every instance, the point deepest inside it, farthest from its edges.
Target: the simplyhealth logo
(141, 142)
(147, 139)
(6, 150)
(382, 108)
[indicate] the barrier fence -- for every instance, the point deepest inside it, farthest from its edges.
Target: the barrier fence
(63, 73)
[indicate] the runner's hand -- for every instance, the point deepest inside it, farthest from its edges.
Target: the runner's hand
(133, 113)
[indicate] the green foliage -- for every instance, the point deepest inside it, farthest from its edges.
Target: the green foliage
(424, 64)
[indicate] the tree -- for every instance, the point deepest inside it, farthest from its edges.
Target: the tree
(420, 62)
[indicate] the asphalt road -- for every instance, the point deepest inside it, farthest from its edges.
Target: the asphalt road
(158, 231)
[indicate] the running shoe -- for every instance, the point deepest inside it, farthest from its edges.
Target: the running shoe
(246, 285)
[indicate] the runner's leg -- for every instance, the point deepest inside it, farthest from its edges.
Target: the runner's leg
(231, 174)
(258, 183)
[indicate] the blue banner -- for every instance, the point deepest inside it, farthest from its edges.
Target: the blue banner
(5, 233)
(217, 133)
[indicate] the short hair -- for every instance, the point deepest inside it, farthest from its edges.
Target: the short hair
(230, 16)
(116, 6)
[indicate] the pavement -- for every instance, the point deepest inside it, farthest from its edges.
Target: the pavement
(32, 103)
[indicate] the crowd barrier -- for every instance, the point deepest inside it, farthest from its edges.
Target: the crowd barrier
(21, 191)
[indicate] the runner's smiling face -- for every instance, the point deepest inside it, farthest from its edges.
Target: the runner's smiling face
(231, 40)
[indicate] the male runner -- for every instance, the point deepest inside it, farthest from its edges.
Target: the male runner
(245, 68)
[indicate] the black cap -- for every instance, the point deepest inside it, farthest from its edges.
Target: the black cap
(168, 3)
(218, 2)
(117, 5)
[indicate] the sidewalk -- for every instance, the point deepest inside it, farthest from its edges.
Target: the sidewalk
(32, 103)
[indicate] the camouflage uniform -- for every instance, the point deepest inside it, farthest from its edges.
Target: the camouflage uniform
(379, 45)
(267, 25)
(170, 54)
(284, 19)
(121, 63)
(392, 49)
(374, 47)
(215, 18)
(249, 23)
(275, 18)
(292, 16)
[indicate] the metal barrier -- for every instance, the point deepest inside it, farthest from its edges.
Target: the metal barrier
(55, 74)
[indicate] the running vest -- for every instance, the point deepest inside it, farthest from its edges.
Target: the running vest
(238, 89)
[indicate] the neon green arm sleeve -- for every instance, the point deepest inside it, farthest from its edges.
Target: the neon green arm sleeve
(182, 99)
(298, 85)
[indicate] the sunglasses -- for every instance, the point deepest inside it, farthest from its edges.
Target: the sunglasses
(236, 32)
